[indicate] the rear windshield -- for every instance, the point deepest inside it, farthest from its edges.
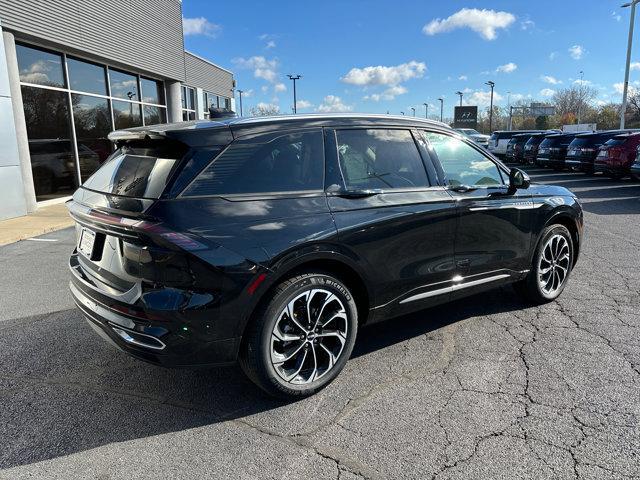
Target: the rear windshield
(615, 141)
(535, 140)
(138, 170)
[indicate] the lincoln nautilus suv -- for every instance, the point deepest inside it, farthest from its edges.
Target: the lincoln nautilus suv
(271, 241)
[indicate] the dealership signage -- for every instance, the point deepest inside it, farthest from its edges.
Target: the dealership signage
(465, 117)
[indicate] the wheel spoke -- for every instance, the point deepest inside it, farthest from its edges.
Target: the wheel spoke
(312, 377)
(329, 299)
(333, 333)
(341, 314)
(278, 359)
(332, 357)
(289, 311)
(298, 368)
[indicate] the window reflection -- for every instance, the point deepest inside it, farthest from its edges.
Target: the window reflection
(48, 130)
(86, 77)
(126, 114)
(154, 115)
(40, 67)
(92, 121)
(152, 91)
(123, 85)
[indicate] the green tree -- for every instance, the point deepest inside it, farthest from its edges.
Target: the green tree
(542, 122)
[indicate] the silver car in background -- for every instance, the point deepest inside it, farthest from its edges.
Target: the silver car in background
(476, 136)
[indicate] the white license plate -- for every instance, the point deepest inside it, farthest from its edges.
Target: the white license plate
(87, 239)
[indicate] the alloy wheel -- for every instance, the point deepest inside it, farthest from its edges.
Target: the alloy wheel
(309, 336)
(554, 264)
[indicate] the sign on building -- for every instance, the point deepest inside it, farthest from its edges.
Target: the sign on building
(465, 117)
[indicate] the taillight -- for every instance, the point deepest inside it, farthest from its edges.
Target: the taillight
(615, 151)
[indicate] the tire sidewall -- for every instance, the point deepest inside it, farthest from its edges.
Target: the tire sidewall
(316, 280)
(548, 233)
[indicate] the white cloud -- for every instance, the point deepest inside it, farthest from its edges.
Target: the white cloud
(577, 81)
(616, 16)
(200, 26)
(268, 107)
(634, 87)
(484, 22)
(247, 93)
(553, 55)
(280, 87)
(547, 92)
(262, 68)
(303, 104)
(381, 75)
(331, 103)
(462, 77)
(482, 98)
(527, 24)
(264, 88)
(389, 94)
(507, 68)
(270, 44)
(634, 66)
(576, 52)
(550, 80)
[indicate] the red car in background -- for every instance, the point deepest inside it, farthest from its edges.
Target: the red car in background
(616, 155)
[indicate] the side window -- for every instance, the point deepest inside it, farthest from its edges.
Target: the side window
(265, 164)
(463, 164)
(380, 159)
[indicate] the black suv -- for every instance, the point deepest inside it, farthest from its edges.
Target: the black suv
(273, 240)
(582, 151)
(553, 150)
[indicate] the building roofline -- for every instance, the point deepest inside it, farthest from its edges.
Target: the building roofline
(208, 61)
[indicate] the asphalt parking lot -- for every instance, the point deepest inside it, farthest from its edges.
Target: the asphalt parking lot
(485, 388)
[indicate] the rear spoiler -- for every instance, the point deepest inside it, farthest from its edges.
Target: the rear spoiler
(122, 135)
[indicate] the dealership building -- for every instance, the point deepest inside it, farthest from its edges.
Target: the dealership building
(72, 71)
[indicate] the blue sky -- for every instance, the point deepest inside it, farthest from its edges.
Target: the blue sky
(379, 56)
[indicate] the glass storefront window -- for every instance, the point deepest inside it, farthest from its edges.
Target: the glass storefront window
(92, 121)
(123, 85)
(40, 67)
(86, 77)
(126, 114)
(152, 91)
(49, 133)
(154, 115)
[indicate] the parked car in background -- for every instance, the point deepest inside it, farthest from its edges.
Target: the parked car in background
(499, 140)
(582, 151)
(476, 136)
(515, 147)
(530, 151)
(208, 242)
(553, 150)
(616, 156)
(635, 166)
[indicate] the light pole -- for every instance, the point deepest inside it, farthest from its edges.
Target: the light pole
(426, 110)
(441, 107)
(294, 78)
(580, 96)
(492, 84)
(401, 113)
(625, 89)
(240, 92)
(414, 111)
(460, 93)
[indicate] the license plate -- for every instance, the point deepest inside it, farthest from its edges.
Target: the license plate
(87, 239)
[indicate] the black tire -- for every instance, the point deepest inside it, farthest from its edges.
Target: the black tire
(256, 350)
(530, 287)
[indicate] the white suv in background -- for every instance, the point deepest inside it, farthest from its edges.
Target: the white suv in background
(499, 139)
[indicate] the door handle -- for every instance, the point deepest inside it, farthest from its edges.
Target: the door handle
(462, 188)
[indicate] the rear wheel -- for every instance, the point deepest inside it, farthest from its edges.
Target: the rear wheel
(551, 266)
(302, 337)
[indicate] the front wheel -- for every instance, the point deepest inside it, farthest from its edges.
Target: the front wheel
(301, 337)
(551, 266)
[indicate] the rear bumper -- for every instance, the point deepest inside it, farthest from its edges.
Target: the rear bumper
(171, 338)
(579, 163)
(609, 169)
(554, 162)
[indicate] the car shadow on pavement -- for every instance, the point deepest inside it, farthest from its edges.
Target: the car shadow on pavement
(63, 390)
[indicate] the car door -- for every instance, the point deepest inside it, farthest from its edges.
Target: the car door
(396, 222)
(493, 235)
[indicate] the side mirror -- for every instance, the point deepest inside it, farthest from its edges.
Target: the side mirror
(518, 180)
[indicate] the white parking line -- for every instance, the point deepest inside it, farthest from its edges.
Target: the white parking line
(42, 239)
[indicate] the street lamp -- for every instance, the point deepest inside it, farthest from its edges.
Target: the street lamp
(294, 78)
(426, 110)
(240, 92)
(631, 4)
(401, 113)
(492, 84)
(460, 93)
(414, 111)
(441, 107)
(580, 96)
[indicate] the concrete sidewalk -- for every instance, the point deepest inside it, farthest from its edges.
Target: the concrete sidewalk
(43, 220)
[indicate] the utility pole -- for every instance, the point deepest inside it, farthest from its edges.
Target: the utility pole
(631, 4)
(426, 110)
(441, 107)
(460, 93)
(510, 117)
(491, 84)
(240, 92)
(294, 78)
(580, 96)
(414, 111)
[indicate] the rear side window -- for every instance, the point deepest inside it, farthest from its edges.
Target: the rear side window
(463, 164)
(380, 159)
(615, 141)
(269, 163)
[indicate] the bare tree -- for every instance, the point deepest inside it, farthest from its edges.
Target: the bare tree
(264, 110)
(576, 99)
